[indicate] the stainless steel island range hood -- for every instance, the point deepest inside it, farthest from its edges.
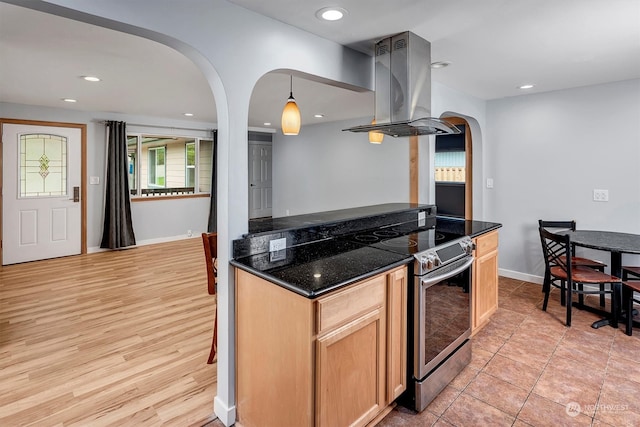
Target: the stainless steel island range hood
(403, 89)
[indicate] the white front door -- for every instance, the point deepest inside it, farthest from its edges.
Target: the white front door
(41, 218)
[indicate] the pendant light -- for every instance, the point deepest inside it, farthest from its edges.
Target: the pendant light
(375, 137)
(291, 115)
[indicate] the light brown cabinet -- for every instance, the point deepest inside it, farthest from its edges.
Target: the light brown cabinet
(338, 360)
(484, 288)
(396, 333)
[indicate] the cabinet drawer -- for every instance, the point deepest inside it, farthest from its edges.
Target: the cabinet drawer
(486, 243)
(336, 309)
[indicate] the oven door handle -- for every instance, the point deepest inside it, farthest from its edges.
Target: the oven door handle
(436, 279)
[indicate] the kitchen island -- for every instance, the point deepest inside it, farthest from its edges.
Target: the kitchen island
(321, 327)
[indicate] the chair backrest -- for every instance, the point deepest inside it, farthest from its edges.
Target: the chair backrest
(210, 243)
(556, 249)
(564, 225)
(567, 225)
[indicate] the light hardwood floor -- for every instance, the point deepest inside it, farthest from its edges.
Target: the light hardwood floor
(112, 338)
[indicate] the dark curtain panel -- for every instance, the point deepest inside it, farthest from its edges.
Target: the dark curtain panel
(213, 215)
(118, 227)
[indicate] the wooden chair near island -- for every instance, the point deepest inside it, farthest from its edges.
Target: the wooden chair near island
(210, 243)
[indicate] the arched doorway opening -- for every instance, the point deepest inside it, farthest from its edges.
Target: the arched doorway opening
(454, 171)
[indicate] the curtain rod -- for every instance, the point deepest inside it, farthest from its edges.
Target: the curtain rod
(157, 126)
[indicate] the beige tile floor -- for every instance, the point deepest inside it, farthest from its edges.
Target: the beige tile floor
(528, 369)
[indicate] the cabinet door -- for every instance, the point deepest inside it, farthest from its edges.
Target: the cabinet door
(485, 279)
(396, 333)
(350, 368)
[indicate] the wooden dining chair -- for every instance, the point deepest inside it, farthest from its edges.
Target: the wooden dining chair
(628, 296)
(575, 260)
(629, 289)
(630, 271)
(210, 243)
(557, 250)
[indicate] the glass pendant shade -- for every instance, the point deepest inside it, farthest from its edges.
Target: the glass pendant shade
(291, 115)
(291, 118)
(375, 137)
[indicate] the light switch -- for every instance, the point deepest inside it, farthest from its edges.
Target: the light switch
(94, 180)
(489, 182)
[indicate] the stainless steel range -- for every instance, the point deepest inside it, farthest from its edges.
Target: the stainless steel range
(441, 301)
(439, 324)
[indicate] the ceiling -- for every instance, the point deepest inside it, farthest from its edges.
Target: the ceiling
(494, 46)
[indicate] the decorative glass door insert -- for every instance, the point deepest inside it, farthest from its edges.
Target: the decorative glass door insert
(42, 165)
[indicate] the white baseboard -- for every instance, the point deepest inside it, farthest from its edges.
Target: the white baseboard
(147, 242)
(520, 276)
(227, 415)
(534, 279)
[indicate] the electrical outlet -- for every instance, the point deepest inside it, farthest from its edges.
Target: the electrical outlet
(189, 233)
(600, 195)
(277, 244)
(422, 217)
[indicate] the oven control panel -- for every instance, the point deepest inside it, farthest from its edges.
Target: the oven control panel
(444, 254)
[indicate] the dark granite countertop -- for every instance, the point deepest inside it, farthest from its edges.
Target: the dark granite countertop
(464, 227)
(269, 225)
(316, 268)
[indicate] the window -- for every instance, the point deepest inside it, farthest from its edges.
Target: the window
(450, 166)
(450, 160)
(161, 165)
(190, 166)
(42, 165)
(132, 150)
(156, 170)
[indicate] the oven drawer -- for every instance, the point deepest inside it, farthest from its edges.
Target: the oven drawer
(345, 305)
(486, 243)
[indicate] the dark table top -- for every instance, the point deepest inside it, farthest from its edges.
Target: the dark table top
(611, 241)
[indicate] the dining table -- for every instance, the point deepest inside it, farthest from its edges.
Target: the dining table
(614, 242)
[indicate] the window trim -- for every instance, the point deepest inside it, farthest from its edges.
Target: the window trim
(141, 132)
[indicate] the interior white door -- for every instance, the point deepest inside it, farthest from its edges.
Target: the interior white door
(41, 168)
(260, 180)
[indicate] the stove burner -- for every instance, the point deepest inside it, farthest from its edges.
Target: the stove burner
(386, 233)
(439, 236)
(367, 238)
(400, 243)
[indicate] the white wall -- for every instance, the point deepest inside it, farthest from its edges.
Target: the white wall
(447, 102)
(547, 153)
(178, 215)
(233, 48)
(324, 168)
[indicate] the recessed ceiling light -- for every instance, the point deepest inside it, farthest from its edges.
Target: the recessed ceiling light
(527, 86)
(331, 13)
(317, 275)
(69, 100)
(440, 64)
(267, 123)
(318, 116)
(188, 114)
(91, 78)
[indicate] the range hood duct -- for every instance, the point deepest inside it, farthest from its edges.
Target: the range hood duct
(403, 89)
